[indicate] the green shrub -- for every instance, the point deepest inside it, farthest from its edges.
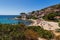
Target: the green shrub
(50, 16)
(42, 33)
(22, 32)
(57, 30)
(59, 24)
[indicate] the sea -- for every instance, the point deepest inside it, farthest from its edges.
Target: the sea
(8, 19)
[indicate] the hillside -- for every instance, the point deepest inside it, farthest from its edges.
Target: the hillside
(51, 11)
(54, 8)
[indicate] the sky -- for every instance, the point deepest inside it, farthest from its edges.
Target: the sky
(15, 7)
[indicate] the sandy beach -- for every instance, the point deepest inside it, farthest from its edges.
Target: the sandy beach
(45, 24)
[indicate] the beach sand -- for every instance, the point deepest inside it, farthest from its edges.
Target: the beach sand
(45, 24)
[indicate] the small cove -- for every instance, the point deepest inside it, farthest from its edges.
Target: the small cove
(8, 19)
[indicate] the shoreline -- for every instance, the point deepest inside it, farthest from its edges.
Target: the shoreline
(40, 22)
(45, 24)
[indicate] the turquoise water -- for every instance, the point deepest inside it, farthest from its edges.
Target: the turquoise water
(5, 19)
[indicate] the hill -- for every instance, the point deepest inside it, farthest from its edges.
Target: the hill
(55, 9)
(51, 12)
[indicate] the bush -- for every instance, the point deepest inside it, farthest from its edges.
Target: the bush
(12, 32)
(31, 35)
(16, 32)
(42, 33)
(50, 17)
(58, 37)
(59, 24)
(22, 32)
(57, 30)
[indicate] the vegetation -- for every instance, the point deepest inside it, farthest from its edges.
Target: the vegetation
(34, 17)
(58, 37)
(57, 30)
(51, 16)
(59, 24)
(16, 32)
(50, 12)
(22, 32)
(42, 33)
